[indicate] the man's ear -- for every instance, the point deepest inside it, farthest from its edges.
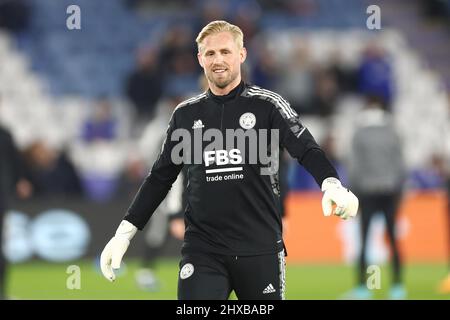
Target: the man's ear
(243, 54)
(199, 57)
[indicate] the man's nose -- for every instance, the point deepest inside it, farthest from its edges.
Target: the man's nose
(218, 59)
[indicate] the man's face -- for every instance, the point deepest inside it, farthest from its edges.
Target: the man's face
(221, 58)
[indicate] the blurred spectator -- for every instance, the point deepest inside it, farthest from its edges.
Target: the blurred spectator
(11, 181)
(100, 154)
(375, 74)
(102, 125)
(179, 67)
(14, 15)
(344, 76)
(134, 3)
(296, 85)
(326, 92)
(247, 15)
(428, 177)
(303, 8)
(265, 70)
(183, 77)
(50, 171)
(436, 9)
(376, 173)
(144, 84)
(142, 4)
(210, 10)
(177, 47)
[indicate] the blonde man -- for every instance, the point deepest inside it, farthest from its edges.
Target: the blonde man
(233, 238)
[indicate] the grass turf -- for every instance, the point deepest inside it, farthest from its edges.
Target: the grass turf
(42, 280)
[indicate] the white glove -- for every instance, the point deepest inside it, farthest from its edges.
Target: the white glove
(115, 249)
(335, 194)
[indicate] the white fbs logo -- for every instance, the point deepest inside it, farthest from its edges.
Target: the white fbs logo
(223, 157)
(234, 146)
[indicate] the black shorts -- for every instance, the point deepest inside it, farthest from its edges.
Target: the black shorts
(205, 276)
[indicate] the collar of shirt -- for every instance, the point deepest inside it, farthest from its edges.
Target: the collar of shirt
(228, 97)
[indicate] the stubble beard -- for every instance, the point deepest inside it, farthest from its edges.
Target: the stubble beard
(224, 82)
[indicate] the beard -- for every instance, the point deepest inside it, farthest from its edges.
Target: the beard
(221, 81)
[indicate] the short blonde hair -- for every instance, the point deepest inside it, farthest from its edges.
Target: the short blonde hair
(217, 27)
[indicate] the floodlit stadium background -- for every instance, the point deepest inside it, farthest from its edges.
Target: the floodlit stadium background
(72, 103)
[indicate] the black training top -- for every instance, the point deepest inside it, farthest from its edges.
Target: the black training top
(231, 207)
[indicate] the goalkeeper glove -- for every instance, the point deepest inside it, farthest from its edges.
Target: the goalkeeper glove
(115, 249)
(335, 194)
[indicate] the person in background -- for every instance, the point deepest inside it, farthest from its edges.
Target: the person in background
(375, 76)
(144, 85)
(376, 172)
(12, 181)
(101, 125)
(15, 15)
(50, 171)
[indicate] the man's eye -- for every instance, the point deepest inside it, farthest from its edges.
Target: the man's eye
(209, 53)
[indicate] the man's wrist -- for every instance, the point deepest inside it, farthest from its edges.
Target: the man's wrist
(330, 182)
(126, 230)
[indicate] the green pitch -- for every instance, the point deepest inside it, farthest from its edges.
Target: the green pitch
(41, 280)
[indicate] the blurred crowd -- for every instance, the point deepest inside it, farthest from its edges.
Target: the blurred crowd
(167, 72)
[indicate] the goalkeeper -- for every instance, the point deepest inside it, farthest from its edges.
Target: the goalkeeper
(233, 238)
